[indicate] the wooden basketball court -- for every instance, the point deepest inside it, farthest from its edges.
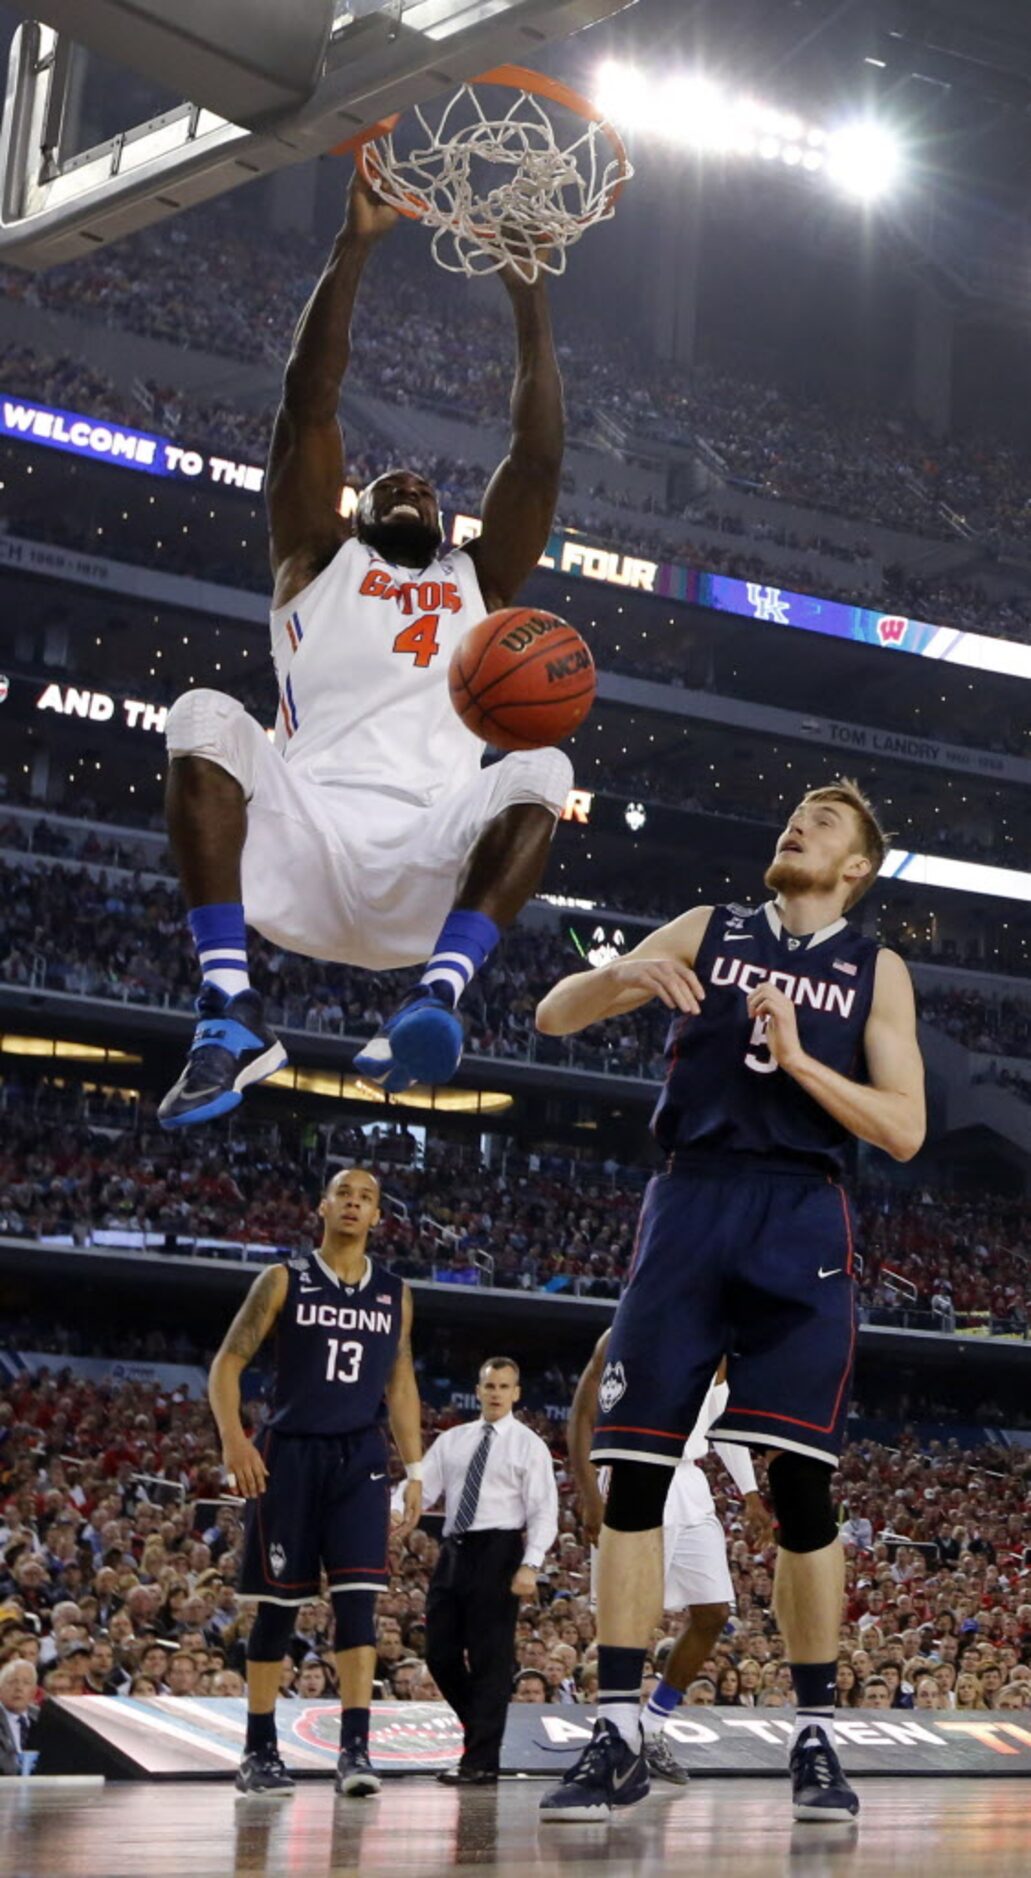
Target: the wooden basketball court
(738, 1826)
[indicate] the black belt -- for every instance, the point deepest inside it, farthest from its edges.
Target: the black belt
(485, 1532)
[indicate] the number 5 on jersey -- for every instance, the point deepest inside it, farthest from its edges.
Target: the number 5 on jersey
(759, 1056)
(420, 638)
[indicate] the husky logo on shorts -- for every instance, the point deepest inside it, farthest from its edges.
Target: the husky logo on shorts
(277, 1559)
(613, 1387)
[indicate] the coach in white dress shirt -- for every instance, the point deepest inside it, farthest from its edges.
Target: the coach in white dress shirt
(497, 1480)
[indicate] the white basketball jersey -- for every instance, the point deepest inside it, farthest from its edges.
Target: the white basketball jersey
(361, 657)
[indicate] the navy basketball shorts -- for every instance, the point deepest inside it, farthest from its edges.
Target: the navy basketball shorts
(326, 1506)
(754, 1265)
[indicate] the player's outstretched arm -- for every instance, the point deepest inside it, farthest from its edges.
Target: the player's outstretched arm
(660, 967)
(306, 460)
(244, 1466)
(519, 506)
(579, 1430)
(889, 1111)
(405, 1411)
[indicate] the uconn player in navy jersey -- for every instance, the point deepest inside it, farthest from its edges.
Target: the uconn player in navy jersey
(369, 833)
(317, 1477)
(791, 1033)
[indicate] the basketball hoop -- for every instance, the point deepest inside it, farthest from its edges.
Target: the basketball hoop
(508, 189)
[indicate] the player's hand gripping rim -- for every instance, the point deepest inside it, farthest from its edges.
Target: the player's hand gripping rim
(669, 980)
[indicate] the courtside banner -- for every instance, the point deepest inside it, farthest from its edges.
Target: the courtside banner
(164, 1737)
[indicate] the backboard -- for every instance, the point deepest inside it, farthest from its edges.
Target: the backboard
(382, 56)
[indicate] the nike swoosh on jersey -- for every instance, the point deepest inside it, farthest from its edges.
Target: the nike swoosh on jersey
(377, 1476)
(834, 1270)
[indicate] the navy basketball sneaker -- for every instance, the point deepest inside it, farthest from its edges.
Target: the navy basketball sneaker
(356, 1778)
(819, 1789)
(232, 1047)
(264, 1772)
(608, 1774)
(422, 1042)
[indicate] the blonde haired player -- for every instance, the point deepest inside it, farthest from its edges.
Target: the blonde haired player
(369, 833)
(791, 1033)
(696, 1574)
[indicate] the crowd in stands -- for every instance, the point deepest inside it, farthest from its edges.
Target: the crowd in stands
(211, 283)
(1000, 1025)
(118, 1566)
(770, 443)
(73, 1164)
(121, 935)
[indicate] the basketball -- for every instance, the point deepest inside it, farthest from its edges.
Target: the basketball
(522, 679)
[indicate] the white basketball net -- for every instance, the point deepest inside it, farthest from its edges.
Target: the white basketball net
(501, 191)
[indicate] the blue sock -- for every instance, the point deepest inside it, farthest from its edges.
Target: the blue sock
(619, 1689)
(659, 1707)
(465, 941)
(221, 942)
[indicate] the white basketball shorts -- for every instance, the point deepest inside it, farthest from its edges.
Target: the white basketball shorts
(358, 875)
(696, 1565)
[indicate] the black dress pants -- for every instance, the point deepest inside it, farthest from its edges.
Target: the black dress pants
(470, 1636)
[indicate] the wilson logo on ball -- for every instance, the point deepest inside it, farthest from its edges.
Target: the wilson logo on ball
(522, 679)
(523, 636)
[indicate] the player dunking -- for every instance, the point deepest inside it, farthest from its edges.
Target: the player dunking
(696, 1575)
(369, 834)
(317, 1479)
(791, 1033)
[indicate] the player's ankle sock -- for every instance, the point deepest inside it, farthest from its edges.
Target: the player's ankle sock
(221, 941)
(619, 1690)
(659, 1707)
(354, 1728)
(466, 939)
(261, 1733)
(814, 1694)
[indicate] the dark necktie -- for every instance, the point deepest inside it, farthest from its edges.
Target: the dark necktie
(473, 1482)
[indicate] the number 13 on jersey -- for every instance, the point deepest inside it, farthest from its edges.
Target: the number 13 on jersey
(343, 1360)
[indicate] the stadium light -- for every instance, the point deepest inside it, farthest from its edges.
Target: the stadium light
(864, 160)
(693, 112)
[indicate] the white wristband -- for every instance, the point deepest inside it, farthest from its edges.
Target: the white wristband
(414, 1470)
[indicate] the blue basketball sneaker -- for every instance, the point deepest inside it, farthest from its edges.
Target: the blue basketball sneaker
(232, 1047)
(422, 1042)
(608, 1774)
(819, 1789)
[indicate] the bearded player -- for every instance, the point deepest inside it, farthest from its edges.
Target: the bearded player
(792, 1033)
(369, 833)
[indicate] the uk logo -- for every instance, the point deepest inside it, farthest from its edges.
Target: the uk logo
(613, 1387)
(277, 1560)
(767, 603)
(891, 630)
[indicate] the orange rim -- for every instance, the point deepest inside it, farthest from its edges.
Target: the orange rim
(517, 78)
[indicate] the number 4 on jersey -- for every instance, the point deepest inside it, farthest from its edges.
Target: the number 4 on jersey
(420, 638)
